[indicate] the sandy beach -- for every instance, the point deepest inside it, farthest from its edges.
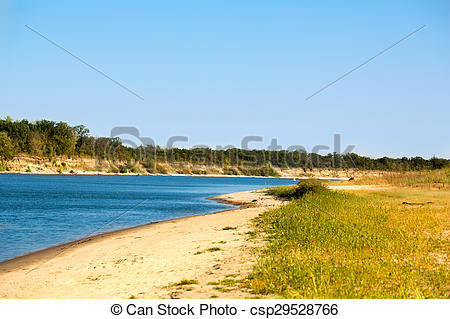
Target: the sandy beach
(148, 261)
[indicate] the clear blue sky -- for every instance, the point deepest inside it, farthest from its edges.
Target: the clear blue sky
(216, 71)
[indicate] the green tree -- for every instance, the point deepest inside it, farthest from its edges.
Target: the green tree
(7, 149)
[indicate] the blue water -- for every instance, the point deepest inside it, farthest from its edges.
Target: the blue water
(39, 211)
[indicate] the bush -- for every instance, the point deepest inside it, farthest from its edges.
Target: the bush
(199, 172)
(161, 169)
(230, 171)
(296, 191)
(282, 191)
(308, 186)
(7, 147)
(114, 169)
(268, 170)
(123, 169)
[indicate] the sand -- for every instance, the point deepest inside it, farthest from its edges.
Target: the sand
(147, 261)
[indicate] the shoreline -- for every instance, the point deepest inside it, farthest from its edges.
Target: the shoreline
(116, 263)
(98, 173)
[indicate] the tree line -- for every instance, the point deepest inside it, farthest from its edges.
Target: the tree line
(46, 138)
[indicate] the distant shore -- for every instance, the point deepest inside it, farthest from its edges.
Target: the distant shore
(90, 166)
(145, 261)
(149, 174)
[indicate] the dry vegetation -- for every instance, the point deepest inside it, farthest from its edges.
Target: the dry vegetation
(432, 178)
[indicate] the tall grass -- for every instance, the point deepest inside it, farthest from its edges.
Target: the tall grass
(336, 245)
(432, 178)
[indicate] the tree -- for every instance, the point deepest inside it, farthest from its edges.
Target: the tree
(35, 143)
(7, 149)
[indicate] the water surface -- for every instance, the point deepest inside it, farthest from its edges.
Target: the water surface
(39, 211)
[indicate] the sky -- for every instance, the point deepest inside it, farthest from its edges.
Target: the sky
(217, 71)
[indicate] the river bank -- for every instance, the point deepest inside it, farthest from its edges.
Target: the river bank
(93, 166)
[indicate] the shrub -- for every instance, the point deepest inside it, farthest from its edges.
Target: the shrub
(185, 171)
(230, 171)
(296, 191)
(282, 191)
(149, 164)
(161, 169)
(268, 170)
(114, 169)
(123, 169)
(7, 147)
(199, 171)
(308, 186)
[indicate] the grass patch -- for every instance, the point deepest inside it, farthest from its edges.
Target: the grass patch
(212, 249)
(222, 289)
(213, 283)
(225, 282)
(251, 234)
(229, 228)
(186, 282)
(341, 245)
(228, 282)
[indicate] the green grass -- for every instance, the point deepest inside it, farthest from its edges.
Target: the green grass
(342, 245)
(228, 282)
(222, 289)
(229, 228)
(211, 250)
(213, 283)
(186, 282)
